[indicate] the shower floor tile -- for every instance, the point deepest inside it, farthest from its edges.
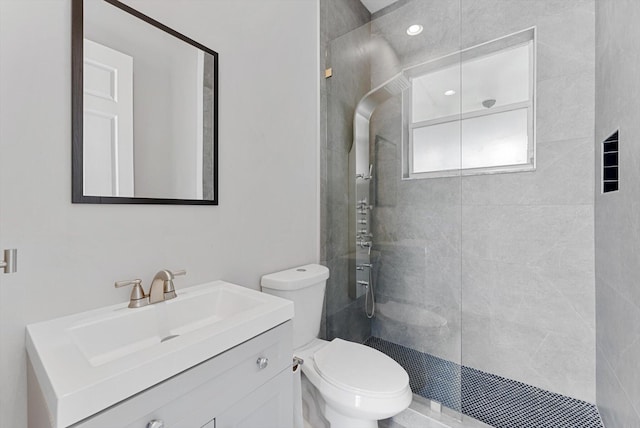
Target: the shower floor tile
(494, 400)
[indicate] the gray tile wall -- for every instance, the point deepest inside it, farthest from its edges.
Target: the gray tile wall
(507, 260)
(617, 223)
(208, 125)
(339, 95)
(416, 224)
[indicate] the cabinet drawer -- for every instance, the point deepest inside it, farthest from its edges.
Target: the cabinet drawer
(194, 397)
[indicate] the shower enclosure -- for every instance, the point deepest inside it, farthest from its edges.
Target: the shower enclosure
(382, 286)
(458, 202)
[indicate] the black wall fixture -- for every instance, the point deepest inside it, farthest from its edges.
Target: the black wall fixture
(610, 159)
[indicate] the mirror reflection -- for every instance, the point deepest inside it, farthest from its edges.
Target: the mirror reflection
(148, 110)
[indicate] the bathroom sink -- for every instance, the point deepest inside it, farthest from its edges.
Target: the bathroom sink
(89, 361)
(107, 337)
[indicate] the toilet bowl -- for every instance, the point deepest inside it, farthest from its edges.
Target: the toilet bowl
(358, 385)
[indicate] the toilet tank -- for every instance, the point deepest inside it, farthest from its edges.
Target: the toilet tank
(304, 286)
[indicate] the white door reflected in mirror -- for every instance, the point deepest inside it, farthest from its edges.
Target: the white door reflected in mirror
(108, 121)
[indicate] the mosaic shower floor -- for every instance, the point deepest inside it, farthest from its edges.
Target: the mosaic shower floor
(494, 400)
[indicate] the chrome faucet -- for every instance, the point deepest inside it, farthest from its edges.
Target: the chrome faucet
(161, 288)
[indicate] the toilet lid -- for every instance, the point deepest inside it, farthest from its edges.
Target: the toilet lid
(361, 369)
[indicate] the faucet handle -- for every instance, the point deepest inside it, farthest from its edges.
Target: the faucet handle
(138, 299)
(169, 289)
(119, 284)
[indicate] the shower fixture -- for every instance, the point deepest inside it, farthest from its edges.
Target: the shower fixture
(361, 169)
(488, 103)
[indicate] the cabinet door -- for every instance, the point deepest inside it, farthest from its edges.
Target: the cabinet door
(270, 406)
(194, 397)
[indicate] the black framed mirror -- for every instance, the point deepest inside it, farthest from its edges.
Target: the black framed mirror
(144, 110)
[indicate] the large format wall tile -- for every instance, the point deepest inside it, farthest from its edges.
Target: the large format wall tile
(565, 107)
(617, 223)
(441, 35)
(562, 50)
(501, 347)
(436, 338)
(613, 401)
(522, 294)
(350, 323)
(489, 19)
(508, 255)
(344, 36)
(541, 235)
(564, 176)
(339, 17)
(619, 337)
(568, 364)
(337, 296)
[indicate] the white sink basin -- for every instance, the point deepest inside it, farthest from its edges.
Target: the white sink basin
(89, 361)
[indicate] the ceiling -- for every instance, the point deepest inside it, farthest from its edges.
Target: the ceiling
(376, 5)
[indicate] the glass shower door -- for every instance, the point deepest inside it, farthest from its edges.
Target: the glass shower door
(402, 243)
(527, 232)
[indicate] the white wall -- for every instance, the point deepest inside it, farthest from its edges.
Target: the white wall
(70, 255)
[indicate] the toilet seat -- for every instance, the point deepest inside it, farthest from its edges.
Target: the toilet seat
(362, 402)
(360, 369)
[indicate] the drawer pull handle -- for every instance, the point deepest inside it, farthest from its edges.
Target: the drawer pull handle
(262, 362)
(155, 424)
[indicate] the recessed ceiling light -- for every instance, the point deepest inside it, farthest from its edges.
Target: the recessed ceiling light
(415, 29)
(450, 92)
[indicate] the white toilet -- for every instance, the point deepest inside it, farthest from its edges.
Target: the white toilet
(359, 385)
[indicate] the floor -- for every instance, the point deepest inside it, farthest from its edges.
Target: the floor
(496, 401)
(420, 415)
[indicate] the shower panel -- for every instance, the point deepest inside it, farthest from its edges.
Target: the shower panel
(361, 173)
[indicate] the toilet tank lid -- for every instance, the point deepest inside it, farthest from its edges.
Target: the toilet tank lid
(295, 278)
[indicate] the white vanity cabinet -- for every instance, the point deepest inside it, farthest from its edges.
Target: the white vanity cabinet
(247, 386)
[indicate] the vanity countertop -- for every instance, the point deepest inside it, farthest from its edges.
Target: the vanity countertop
(89, 361)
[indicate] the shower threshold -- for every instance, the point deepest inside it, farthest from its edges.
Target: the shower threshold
(420, 415)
